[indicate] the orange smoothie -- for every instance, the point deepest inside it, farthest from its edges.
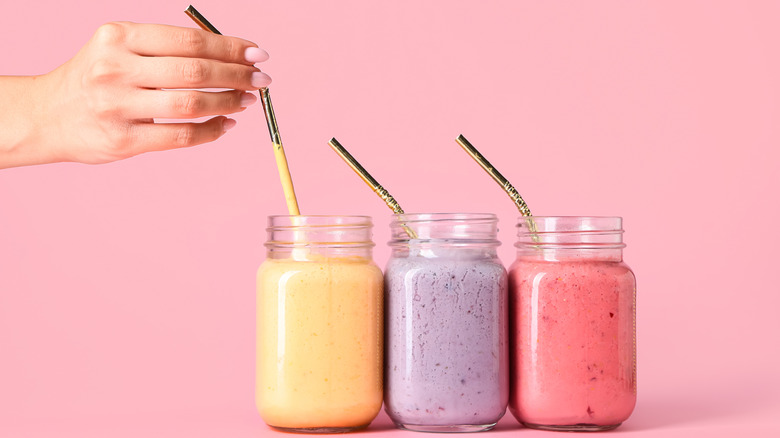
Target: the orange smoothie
(319, 342)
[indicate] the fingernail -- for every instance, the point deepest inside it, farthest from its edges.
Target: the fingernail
(247, 99)
(260, 79)
(255, 54)
(227, 125)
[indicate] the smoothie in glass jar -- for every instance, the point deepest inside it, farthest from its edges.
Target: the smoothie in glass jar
(573, 326)
(319, 328)
(446, 347)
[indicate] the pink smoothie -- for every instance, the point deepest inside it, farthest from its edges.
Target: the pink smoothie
(573, 347)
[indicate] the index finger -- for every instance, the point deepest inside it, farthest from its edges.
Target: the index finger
(165, 40)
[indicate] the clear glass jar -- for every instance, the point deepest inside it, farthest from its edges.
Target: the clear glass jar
(319, 325)
(573, 325)
(446, 346)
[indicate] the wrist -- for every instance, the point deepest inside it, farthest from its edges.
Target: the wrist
(24, 137)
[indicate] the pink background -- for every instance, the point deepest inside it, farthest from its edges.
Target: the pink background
(127, 290)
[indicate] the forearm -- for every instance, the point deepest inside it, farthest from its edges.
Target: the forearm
(22, 120)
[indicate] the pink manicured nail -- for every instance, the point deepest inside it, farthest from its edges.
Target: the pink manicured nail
(260, 79)
(247, 99)
(255, 54)
(227, 125)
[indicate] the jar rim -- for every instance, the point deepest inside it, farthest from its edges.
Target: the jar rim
(363, 216)
(552, 223)
(434, 217)
(571, 217)
(318, 221)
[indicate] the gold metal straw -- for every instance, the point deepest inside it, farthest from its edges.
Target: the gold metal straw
(201, 20)
(495, 174)
(503, 182)
(270, 118)
(281, 158)
(368, 179)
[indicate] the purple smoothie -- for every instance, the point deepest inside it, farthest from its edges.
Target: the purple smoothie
(446, 340)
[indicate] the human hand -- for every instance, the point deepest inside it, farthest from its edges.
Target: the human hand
(100, 105)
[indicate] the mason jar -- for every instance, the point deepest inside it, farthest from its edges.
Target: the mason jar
(446, 323)
(319, 325)
(572, 324)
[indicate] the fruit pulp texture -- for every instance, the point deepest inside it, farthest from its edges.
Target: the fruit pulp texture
(319, 342)
(447, 350)
(573, 342)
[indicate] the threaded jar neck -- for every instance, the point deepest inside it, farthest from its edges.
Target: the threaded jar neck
(434, 234)
(329, 235)
(579, 236)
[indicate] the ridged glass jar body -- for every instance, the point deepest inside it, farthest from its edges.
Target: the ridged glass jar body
(573, 325)
(446, 324)
(319, 325)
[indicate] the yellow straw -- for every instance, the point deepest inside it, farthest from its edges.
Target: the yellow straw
(281, 158)
(273, 128)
